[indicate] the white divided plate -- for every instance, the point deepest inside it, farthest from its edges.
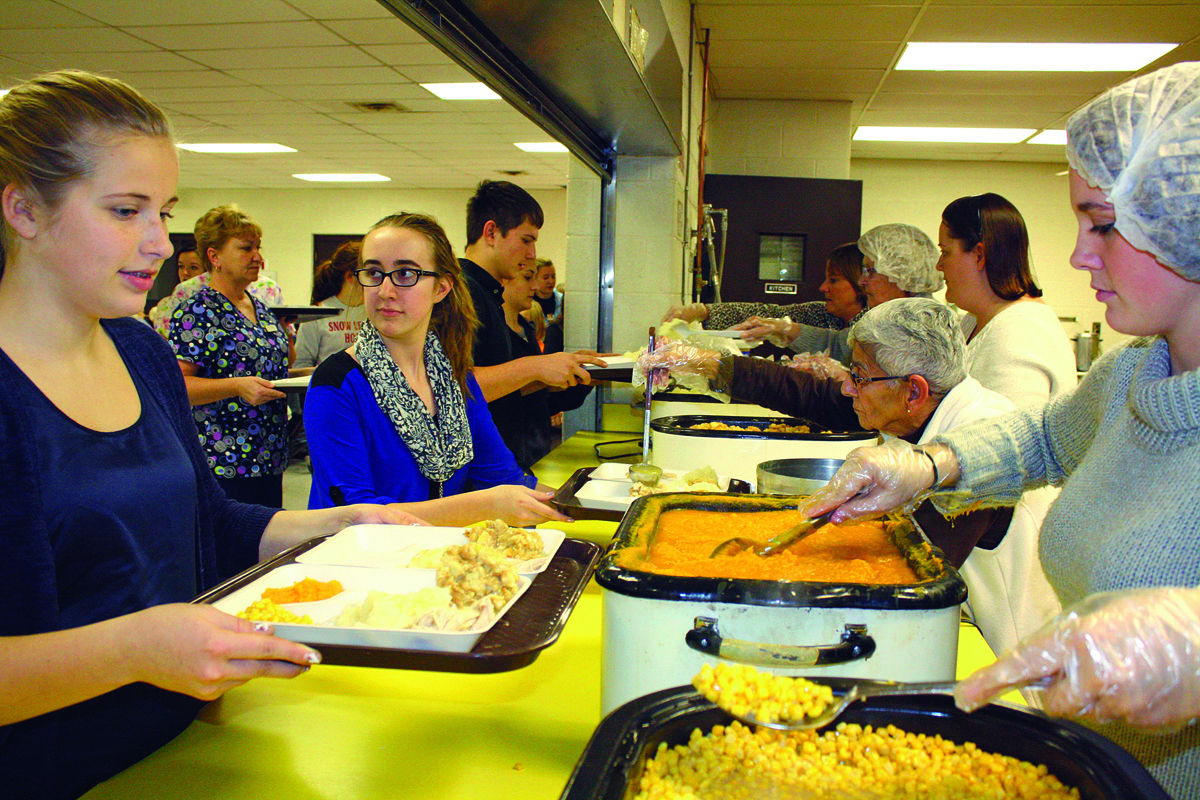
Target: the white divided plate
(299, 382)
(356, 581)
(612, 493)
(612, 362)
(394, 546)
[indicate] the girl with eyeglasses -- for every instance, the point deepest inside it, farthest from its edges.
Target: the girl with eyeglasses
(112, 518)
(398, 417)
(1015, 343)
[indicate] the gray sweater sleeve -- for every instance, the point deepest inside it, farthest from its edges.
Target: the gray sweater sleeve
(818, 340)
(1002, 458)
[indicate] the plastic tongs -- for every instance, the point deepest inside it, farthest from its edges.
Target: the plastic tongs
(774, 545)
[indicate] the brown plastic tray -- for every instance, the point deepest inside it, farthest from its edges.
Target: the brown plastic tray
(566, 501)
(531, 625)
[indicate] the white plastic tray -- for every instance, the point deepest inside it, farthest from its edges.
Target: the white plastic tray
(612, 362)
(608, 487)
(394, 546)
(357, 581)
(299, 382)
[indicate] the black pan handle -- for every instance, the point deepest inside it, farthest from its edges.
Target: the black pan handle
(704, 637)
(739, 486)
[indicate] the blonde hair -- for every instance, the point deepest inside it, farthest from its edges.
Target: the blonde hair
(453, 320)
(52, 125)
(537, 315)
(218, 226)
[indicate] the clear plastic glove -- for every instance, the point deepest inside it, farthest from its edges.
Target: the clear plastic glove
(875, 480)
(677, 358)
(1132, 656)
(820, 365)
(692, 312)
(779, 332)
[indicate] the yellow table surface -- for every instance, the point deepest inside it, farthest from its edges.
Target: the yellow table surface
(352, 733)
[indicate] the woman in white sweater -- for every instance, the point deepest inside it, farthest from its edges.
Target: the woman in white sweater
(1015, 344)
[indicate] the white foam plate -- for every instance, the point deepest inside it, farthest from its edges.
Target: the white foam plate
(612, 362)
(394, 546)
(357, 581)
(611, 492)
(299, 382)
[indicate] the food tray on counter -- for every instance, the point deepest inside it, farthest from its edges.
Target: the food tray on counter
(532, 623)
(305, 313)
(626, 739)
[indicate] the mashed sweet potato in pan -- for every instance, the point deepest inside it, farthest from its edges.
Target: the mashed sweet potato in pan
(861, 552)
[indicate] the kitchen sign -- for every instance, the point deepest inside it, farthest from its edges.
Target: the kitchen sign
(780, 288)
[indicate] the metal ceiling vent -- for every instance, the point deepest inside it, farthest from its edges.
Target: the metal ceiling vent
(379, 107)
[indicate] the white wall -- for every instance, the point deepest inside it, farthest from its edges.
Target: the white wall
(916, 192)
(290, 217)
(784, 138)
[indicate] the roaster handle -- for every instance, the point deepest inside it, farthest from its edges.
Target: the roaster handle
(704, 637)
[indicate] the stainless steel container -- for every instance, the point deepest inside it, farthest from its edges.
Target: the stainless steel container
(658, 630)
(795, 475)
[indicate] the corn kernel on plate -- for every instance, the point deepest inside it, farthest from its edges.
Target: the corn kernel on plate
(395, 547)
(358, 583)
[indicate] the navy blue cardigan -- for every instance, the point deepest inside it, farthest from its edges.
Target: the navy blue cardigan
(65, 752)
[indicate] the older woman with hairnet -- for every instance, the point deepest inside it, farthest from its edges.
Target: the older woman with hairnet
(898, 261)
(1125, 445)
(908, 380)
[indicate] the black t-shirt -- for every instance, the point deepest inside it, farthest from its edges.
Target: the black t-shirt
(493, 347)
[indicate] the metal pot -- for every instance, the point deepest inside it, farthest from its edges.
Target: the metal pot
(795, 475)
(659, 629)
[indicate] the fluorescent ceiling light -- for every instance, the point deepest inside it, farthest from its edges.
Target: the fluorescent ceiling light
(461, 91)
(541, 147)
(1050, 136)
(1031, 56)
(237, 147)
(342, 177)
(874, 133)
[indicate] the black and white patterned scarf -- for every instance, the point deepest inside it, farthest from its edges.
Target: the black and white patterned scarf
(440, 444)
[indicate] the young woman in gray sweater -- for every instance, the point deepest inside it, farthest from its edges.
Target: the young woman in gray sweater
(1125, 446)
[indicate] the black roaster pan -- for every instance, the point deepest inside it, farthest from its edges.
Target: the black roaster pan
(612, 762)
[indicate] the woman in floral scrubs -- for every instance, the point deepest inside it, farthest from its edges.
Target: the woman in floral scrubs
(230, 348)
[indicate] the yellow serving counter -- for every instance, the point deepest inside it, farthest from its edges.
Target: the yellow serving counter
(351, 733)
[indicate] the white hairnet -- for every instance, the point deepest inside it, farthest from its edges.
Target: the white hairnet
(1140, 143)
(905, 255)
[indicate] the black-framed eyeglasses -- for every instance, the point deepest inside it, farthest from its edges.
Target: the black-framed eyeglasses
(403, 277)
(859, 381)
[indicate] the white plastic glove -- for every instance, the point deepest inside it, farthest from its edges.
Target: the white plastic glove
(692, 312)
(778, 332)
(875, 480)
(1131, 656)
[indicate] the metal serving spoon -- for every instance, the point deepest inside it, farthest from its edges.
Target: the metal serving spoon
(860, 691)
(774, 545)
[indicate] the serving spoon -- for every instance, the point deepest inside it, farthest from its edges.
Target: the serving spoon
(859, 691)
(776, 544)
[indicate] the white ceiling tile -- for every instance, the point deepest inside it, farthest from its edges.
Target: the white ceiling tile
(241, 93)
(306, 77)
(312, 57)
(183, 12)
(408, 55)
(68, 40)
(40, 14)
(803, 54)
(108, 63)
(789, 21)
(1039, 22)
(374, 31)
(779, 83)
(448, 73)
(342, 9)
(212, 37)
